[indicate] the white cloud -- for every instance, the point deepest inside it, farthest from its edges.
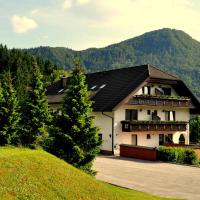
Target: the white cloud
(22, 24)
(82, 2)
(133, 17)
(67, 4)
(34, 12)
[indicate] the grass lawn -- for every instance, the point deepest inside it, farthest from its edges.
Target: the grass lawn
(34, 174)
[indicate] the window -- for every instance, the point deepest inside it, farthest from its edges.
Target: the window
(61, 90)
(148, 136)
(93, 87)
(167, 91)
(100, 137)
(146, 90)
(149, 90)
(131, 114)
(161, 139)
(170, 115)
(102, 86)
(155, 113)
(148, 112)
(169, 138)
(159, 91)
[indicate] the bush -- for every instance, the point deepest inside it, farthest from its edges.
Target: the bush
(190, 157)
(166, 154)
(177, 155)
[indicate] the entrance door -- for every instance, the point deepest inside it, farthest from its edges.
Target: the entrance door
(134, 140)
(161, 139)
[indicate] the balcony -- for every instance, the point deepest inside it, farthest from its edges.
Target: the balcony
(169, 101)
(131, 126)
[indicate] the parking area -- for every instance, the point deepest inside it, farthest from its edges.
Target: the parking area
(163, 179)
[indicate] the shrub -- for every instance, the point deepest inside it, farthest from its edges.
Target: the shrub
(190, 157)
(166, 154)
(177, 155)
(180, 155)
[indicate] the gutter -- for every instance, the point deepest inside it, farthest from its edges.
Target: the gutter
(112, 118)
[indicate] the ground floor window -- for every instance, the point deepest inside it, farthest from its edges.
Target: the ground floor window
(161, 139)
(168, 138)
(148, 136)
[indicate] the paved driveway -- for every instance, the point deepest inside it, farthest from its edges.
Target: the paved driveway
(163, 179)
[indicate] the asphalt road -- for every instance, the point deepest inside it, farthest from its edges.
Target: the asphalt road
(162, 179)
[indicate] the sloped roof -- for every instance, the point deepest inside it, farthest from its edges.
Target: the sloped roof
(157, 73)
(109, 88)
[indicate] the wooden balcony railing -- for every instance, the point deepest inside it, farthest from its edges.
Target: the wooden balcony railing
(131, 126)
(160, 101)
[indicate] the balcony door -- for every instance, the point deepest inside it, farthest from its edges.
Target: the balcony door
(134, 140)
(161, 139)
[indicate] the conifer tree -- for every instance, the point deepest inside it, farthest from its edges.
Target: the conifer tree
(9, 112)
(76, 139)
(36, 115)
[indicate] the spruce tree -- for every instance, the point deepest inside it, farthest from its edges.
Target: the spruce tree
(35, 111)
(76, 139)
(9, 112)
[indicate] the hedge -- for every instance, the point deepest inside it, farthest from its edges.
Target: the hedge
(177, 155)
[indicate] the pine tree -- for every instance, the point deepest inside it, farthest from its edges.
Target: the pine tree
(76, 139)
(9, 112)
(36, 115)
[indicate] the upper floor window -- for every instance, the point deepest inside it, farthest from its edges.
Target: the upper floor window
(163, 91)
(170, 115)
(146, 90)
(131, 114)
(167, 91)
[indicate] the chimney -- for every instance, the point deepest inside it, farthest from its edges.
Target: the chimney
(63, 81)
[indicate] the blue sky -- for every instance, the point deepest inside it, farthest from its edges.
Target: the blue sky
(80, 24)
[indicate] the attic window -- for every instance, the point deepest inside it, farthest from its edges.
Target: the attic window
(93, 87)
(60, 90)
(102, 86)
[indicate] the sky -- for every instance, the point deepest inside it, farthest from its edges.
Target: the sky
(82, 24)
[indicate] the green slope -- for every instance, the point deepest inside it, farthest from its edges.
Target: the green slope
(33, 174)
(169, 49)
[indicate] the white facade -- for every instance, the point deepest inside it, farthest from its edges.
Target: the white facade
(152, 140)
(111, 128)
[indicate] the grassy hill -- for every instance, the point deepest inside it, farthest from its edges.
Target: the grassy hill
(171, 50)
(36, 175)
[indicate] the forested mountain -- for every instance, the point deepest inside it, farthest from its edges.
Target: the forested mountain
(20, 65)
(168, 49)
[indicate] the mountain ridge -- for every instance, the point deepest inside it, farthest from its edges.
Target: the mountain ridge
(171, 50)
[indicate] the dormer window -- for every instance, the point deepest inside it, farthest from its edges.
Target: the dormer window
(102, 86)
(61, 90)
(93, 87)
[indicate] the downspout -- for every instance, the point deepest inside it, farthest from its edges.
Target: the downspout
(112, 130)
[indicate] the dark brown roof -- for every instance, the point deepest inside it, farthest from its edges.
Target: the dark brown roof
(109, 88)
